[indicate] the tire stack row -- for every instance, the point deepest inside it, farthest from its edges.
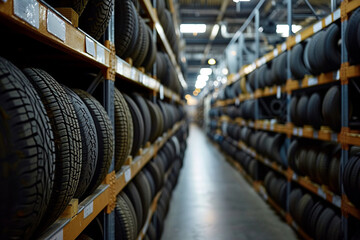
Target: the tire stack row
(318, 109)
(166, 72)
(276, 188)
(53, 136)
(352, 39)
(320, 161)
(133, 203)
(351, 178)
(318, 219)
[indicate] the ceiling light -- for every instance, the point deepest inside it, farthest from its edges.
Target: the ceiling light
(206, 71)
(192, 28)
(224, 80)
(236, 1)
(203, 77)
(216, 83)
(211, 61)
(225, 71)
(214, 31)
(283, 29)
(233, 52)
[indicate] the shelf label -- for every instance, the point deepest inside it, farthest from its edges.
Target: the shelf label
(295, 131)
(298, 38)
(133, 74)
(336, 200)
(337, 75)
(272, 126)
(334, 137)
(100, 53)
(328, 20)
(119, 66)
(276, 52)
(300, 132)
(56, 26)
(337, 14)
(316, 134)
(252, 96)
(161, 92)
(321, 193)
(266, 160)
(142, 79)
(128, 175)
(283, 47)
(88, 209)
(278, 92)
(237, 102)
(58, 236)
(251, 124)
(27, 10)
(294, 177)
(312, 81)
(90, 46)
(317, 26)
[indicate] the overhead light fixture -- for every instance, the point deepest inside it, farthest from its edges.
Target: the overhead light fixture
(225, 71)
(216, 83)
(214, 31)
(192, 28)
(236, 1)
(283, 29)
(233, 52)
(206, 71)
(211, 61)
(203, 77)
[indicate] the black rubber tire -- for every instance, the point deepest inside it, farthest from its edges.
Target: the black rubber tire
(351, 38)
(151, 53)
(297, 65)
(105, 133)
(156, 174)
(334, 229)
(140, 102)
(125, 222)
(124, 132)
(151, 232)
(331, 108)
(138, 124)
(151, 181)
(27, 149)
(317, 210)
(314, 108)
(139, 40)
(77, 5)
(331, 50)
(334, 174)
(96, 17)
(144, 47)
(293, 110)
(294, 199)
(144, 189)
(89, 140)
(311, 53)
(301, 110)
(126, 28)
(323, 223)
(67, 137)
(154, 121)
(134, 195)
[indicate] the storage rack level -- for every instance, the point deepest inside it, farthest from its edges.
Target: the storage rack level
(105, 195)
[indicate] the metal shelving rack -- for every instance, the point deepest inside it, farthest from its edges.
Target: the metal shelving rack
(345, 137)
(39, 21)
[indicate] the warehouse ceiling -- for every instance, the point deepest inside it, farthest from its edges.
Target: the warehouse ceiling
(230, 16)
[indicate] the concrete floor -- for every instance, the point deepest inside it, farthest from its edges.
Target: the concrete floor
(213, 201)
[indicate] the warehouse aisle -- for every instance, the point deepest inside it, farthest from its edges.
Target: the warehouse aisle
(213, 201)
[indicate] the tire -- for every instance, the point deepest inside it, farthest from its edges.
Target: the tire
(151, 53)
(314, 64)
(154, 121)
(293, 110)
(314, 108)
(133, 194)
(139, 40)
(151, 181)
(126, 28)
(138, 124)
(89, 142)
(96, 17)
(156, 174)
(144, 189)
(144, 47)
(140, 102)
(125, 221)
(77, 5)
(297, 65)
(27, 148)
(105, 133)
(331, 108)
(322, 226)
(301, 110)
(332, 52)
(123, 130)
(351, 38)
(67, 137)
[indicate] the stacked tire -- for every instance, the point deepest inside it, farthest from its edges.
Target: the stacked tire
(276, 188)
(318, 219)
(52, 137)
(133, 203)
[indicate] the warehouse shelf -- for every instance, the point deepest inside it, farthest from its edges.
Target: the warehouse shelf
(49, 27)
(260, 188)
(351, 71)
(349, 208)
(293, 40)
(151, 12)
(311, 81)
(105, 195)
(126, 71)
(297, 228)
(321, 191)
(349, 6)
